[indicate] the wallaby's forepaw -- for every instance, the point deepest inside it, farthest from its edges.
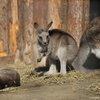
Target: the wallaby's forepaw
(38, 60)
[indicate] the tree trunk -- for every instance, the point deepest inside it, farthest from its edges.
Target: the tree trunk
(14, 27)
(26, 30)
(4, 27)
(58, 12)
(78, 17)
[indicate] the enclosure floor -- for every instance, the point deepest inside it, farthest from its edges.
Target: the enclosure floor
(74, 86)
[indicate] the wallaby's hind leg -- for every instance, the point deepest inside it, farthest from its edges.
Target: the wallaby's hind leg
(81, 58)
(52, 69)
(63, 66)
(62, 52)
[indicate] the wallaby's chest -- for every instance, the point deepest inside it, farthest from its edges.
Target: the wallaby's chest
(54, 56)
(53, 46)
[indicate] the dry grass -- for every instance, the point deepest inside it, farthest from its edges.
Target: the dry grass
(95, 87)
(28, 75)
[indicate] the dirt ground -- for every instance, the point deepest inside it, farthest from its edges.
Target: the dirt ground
(72, 86)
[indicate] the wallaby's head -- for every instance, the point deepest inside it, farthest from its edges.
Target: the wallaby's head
(43, 34)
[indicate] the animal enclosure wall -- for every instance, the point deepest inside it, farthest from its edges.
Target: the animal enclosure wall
(17, 34)
(94, 9)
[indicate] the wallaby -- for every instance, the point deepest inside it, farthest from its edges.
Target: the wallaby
(56, 45)
(89, 51)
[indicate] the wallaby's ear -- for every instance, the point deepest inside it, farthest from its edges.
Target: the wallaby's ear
(48, 26)
(37, 27)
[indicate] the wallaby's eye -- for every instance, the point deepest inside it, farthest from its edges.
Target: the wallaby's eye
(47, 37)
(40, 37)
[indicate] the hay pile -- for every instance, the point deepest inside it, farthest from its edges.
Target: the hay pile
(28, 74)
